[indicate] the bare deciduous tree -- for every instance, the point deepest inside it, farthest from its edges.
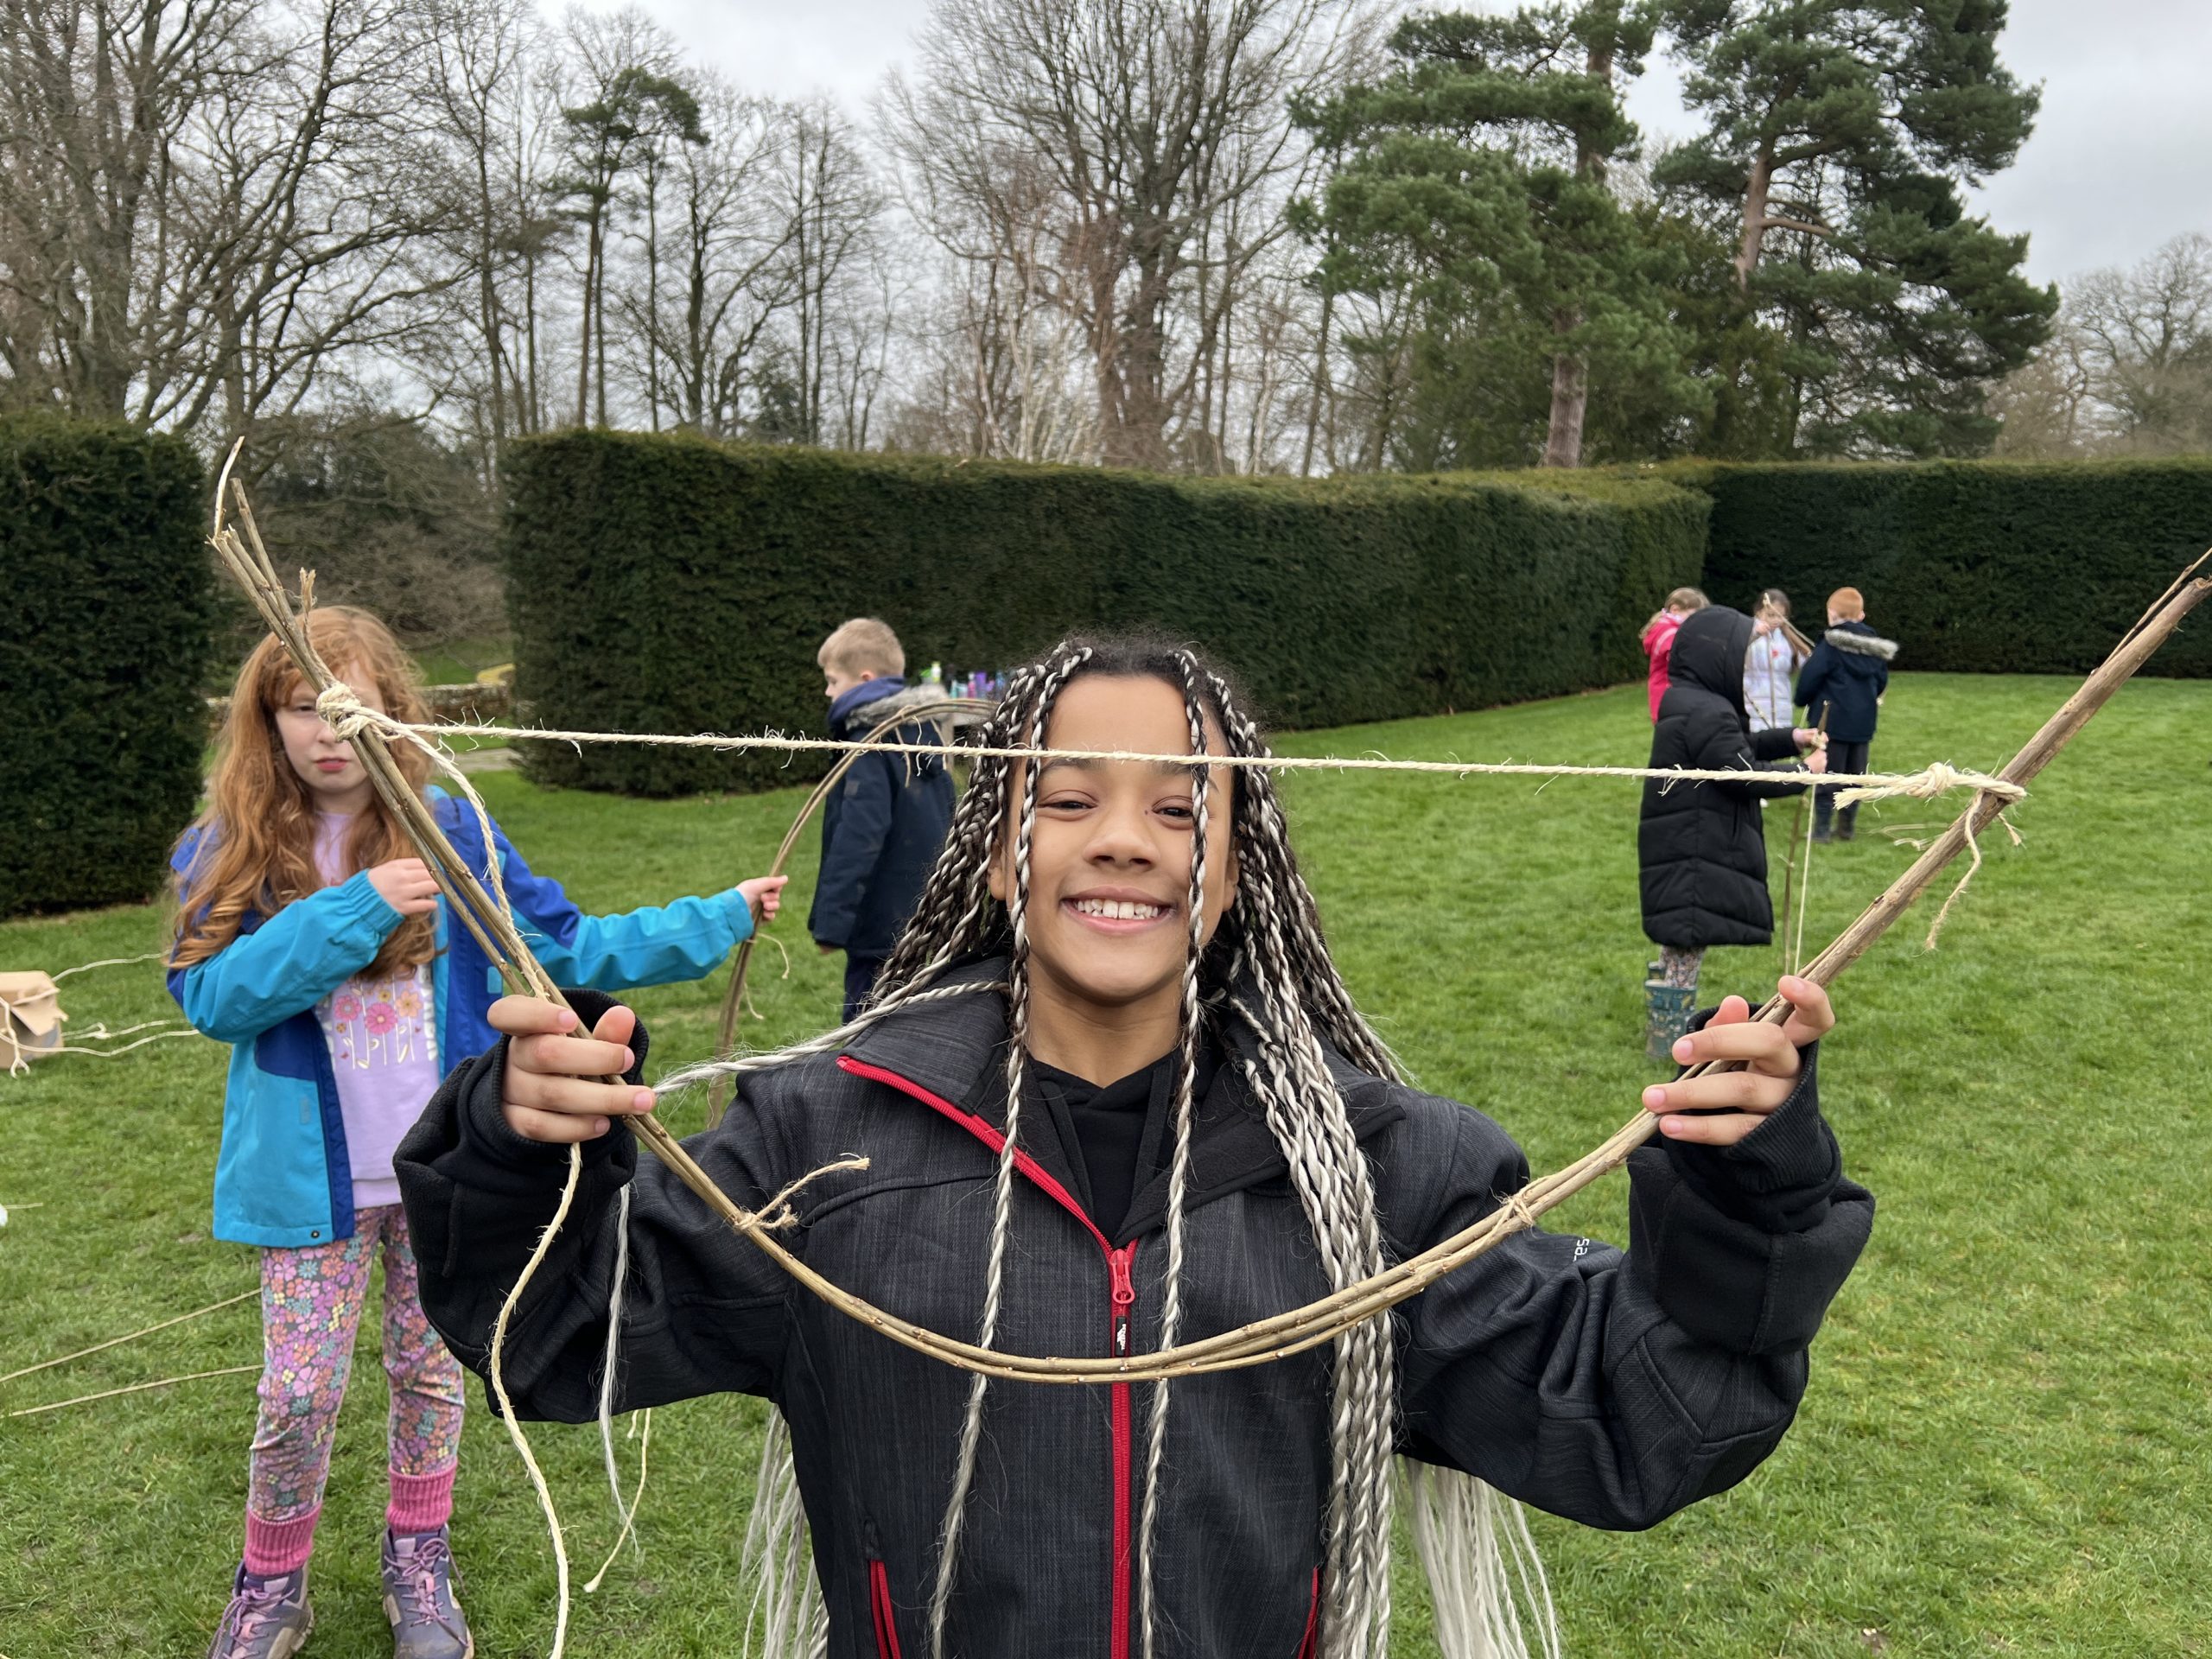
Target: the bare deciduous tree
(207, 208)
(2128, 371)
(1162, 128)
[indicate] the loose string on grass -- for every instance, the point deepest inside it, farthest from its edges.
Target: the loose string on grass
(117, 1342)
(1261, 1341)
(135, 1387)
(108, 962)
(20, 1054)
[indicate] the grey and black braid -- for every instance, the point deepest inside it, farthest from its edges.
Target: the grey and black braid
(1178, 1167)
(1061, 666)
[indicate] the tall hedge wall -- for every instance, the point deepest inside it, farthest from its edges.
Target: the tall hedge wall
(105, 626)
(675, 584)
(1980, 566)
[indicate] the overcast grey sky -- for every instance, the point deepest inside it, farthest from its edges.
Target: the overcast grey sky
(2117, 164)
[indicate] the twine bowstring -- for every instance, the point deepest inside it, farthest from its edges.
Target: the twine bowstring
(1929, 782)
(343, 711)
(1265, 1340)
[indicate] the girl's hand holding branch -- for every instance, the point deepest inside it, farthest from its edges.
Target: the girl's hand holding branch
(1739, 1101)
(406, 885)
(1809, 738)
(765, 893)
(555, 1086)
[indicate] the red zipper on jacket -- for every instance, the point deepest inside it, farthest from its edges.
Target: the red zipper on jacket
(880, 1609)
(1122, 1300)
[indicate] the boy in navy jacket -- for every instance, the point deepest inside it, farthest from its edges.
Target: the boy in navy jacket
(884, 825)
(1845, 678)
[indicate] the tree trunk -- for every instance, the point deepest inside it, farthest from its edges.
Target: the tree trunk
(652, 290)
(1571, 370)
(487, 300)
(1755, 199)
(1570, 399)
(583, 346)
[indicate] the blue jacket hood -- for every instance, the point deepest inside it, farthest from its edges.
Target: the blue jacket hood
(860, 696)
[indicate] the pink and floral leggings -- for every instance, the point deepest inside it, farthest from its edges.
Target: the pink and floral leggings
(311, 1301)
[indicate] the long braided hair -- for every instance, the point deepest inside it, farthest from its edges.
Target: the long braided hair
(1269, 964)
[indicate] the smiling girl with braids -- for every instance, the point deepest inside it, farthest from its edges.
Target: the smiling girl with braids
(1114, 1096)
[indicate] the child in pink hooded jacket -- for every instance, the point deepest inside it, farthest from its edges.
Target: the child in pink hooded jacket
(1659, 638)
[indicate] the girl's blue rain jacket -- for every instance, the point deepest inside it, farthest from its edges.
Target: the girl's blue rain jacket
(282, 1177)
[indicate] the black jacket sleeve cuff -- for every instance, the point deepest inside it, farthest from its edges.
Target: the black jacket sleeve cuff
(1781, 1176)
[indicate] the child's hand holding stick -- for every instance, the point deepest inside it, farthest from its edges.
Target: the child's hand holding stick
(1729, 1104)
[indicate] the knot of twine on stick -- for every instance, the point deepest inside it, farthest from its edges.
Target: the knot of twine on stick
(1937, 779)
(338, 709)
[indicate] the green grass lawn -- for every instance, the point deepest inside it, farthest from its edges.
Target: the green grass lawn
(458, 661)
(2007, 1448)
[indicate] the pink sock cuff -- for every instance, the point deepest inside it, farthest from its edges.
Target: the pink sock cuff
(273, 1547)
(420, 1502)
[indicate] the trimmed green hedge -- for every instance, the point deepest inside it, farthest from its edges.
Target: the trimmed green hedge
(106, 629)
(662, 583)
(1978, 566)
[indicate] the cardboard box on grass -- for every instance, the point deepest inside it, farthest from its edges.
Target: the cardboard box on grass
(32, 1009)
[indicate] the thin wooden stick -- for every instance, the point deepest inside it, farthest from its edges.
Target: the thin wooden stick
(726, 1033)
(1803, 849)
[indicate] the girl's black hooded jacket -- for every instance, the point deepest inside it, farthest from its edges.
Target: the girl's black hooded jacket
(1611, 1388)
(1701, 847)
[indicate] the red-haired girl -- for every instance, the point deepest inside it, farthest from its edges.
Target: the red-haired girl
(311, 939)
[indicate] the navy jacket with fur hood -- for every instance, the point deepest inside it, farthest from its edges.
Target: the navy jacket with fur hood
(1845, 676)
(1701, 848)
(1613, 1388)
(882, 827)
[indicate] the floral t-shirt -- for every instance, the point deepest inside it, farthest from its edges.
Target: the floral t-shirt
(383, 1036)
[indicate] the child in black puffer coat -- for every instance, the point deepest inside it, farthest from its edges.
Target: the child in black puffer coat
(1701, 847)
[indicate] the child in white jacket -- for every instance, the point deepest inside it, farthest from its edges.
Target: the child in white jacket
(1771, 663)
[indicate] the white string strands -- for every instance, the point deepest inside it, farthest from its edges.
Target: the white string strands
(108, 962)
(1484, 1536)
(135, 1387)
(117, 1342)
(1930, 782)
(20, 1056)
(626, 1512)
(1853, 796)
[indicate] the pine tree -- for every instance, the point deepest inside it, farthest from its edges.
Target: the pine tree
(1474, 180)
(1840, 134)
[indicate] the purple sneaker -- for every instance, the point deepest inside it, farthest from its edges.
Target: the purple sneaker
(419, 1584)
(268, 1618)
